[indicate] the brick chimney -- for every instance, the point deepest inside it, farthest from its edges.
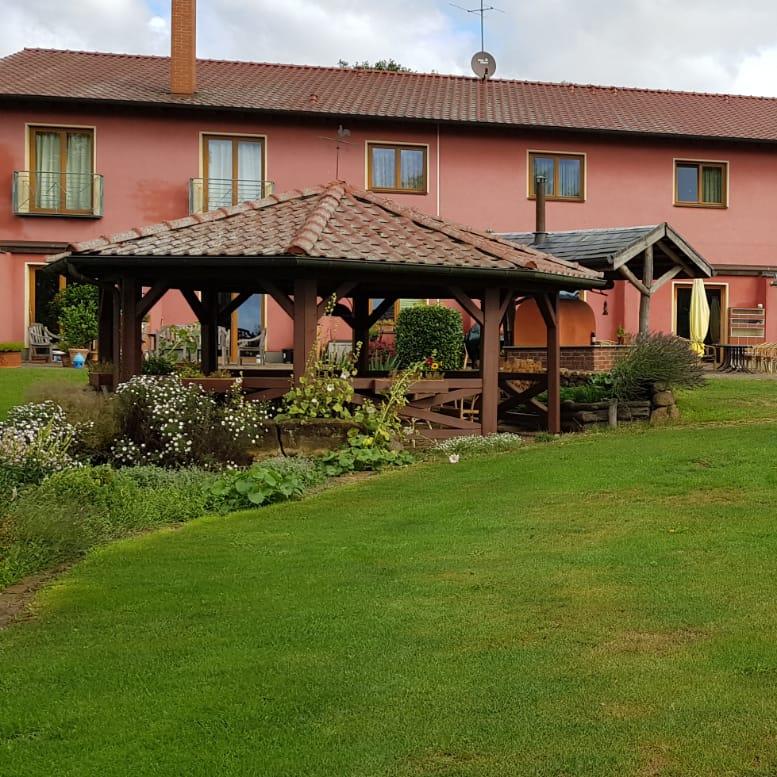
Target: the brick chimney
(183, 47)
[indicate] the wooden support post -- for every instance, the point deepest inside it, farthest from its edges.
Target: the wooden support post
(361, 331)
(105, 324)
(548, 305)
(644, 300)
(116, 355)
(305, 323)
(489, 361)
(130, 324)
(209, 331)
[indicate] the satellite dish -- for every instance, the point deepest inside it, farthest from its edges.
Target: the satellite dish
(483, 64)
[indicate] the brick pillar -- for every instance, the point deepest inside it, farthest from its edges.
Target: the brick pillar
(183, 47)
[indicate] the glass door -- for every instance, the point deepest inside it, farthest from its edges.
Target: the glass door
(234, 170)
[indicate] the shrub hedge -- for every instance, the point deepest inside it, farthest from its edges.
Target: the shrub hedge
(430, 330)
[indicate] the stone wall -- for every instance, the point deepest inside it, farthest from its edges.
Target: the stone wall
(588, 358)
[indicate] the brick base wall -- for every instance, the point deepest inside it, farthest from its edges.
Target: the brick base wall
(591, 358)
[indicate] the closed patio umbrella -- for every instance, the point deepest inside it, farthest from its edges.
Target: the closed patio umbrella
(700, 316)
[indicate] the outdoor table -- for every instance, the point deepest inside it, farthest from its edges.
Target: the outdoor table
(735, 358)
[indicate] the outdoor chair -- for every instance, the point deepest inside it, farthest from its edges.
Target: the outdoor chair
(42, 342)
(252, 347)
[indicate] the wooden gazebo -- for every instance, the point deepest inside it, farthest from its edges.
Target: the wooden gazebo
(301, 248)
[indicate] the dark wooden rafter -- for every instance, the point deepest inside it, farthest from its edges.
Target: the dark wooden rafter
(341, 291)
(227, 310)
(151, 297)
(467, 303)
(194, 303)
(507, 297)
(283, 300)
(343, 312)
(380, 310)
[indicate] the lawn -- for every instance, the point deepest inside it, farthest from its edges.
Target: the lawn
(603, 605)
(14, 383)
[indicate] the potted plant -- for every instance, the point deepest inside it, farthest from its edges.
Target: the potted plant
(11, 354)
(78, 327)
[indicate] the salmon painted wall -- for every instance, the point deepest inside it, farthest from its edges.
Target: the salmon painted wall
(147, 159)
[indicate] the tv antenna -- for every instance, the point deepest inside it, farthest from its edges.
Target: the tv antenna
(483, 63)
(340, 140)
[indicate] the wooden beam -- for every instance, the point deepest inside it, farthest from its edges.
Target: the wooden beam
(361, 330)
(665, 278)
(130, 359)
(116, 355)
(489, 361)
(151, 297)
(209, 332)
(647, 281)
(635, 249)
(194, 303)
(282, 299)
(633, 280)
(341, 291)
(509, 296)
(379, 310)
(678, 259)
(105, 324)
(548, 304)
(305, 323)
(227, 310)
(467, 303)
(343, 312)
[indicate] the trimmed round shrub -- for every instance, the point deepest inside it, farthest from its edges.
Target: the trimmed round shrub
(430, 330)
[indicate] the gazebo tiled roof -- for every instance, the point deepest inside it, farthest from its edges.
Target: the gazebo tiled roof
(333, 223)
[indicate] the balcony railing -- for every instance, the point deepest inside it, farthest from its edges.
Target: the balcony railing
(57, 194)
(210, 193)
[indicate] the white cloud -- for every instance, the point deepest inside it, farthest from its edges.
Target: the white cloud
(710, 45)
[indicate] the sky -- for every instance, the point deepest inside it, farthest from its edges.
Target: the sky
(703, 45)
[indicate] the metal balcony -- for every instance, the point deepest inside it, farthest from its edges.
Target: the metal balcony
(210, 193)
(57, 194)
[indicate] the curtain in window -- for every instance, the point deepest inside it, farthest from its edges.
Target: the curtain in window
(569, 178)
(411, 169)
(383, 168)
(219, 173)
(78, 182)
(543, 167)
(47, 172)
(249, 170)
(712, 184)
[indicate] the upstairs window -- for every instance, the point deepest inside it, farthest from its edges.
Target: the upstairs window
(564, 175)
(233, 170)
(701, 184)
(396, 168)
(61, 162)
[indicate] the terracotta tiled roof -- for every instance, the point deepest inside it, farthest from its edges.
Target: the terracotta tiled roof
(332, 222)
(342, 92)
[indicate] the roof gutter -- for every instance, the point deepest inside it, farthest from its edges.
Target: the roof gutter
(82, 262)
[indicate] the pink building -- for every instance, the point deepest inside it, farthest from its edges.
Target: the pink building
(95, 144)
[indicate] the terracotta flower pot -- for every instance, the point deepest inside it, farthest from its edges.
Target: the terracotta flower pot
(73, 352)
(10, 359)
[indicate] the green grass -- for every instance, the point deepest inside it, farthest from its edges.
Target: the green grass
(731, 399)
(14, 383)
(603, 605)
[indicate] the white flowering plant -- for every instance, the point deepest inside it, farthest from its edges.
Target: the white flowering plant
(477, 445)
(170, 424)
(36, 440)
